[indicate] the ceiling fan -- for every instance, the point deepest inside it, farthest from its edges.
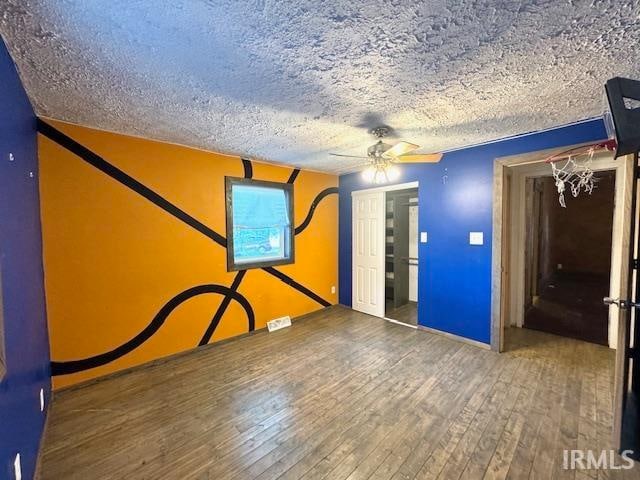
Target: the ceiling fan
(382, 157)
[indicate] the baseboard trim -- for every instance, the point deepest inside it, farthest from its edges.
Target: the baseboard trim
(455, 337)
(397, 322)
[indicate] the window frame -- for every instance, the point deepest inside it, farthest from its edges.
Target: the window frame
(232, 266)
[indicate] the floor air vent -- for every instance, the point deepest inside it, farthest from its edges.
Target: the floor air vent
(278, 323)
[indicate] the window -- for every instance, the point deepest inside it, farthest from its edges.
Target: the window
(259, 224)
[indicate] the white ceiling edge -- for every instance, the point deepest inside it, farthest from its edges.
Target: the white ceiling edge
(288, 83)
(181, 145)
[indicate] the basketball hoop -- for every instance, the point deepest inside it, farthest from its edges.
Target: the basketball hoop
(572, 170)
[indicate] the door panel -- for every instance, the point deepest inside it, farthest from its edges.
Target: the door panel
(359, 281)
(368, 253)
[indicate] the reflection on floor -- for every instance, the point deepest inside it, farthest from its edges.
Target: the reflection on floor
(407, 313)
(341, 395)
(571, 305)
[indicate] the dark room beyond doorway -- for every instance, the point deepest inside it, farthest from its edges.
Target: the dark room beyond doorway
(568, 259)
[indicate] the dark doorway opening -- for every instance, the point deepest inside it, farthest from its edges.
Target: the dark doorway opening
(401, 259)
(568, 259)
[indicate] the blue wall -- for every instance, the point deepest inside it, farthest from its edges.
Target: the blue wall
(455, 196)
(25, 329)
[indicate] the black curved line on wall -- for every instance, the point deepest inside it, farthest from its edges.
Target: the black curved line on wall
(327, 191)
(61, 368)
(294, 175)
(73, 366)
(101, 164)
(114, 172)
(301, 288)
(222, 308)
(248, 168)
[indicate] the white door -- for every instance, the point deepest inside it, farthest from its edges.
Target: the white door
(368, 253)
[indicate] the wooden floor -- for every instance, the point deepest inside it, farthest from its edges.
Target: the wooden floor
(407, 313)
(341, 395)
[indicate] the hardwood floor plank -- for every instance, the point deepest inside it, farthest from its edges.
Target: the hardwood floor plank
(340, 395)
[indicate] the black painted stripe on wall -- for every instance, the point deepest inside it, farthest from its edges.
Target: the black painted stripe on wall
(230, 293)
(294, 175)
(301, 288)
(114, 172)
(324, 193)
(248, 168)
(73, 366)
(222, 308)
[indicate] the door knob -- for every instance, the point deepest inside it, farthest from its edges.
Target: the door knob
(619, 303)
(611, 301)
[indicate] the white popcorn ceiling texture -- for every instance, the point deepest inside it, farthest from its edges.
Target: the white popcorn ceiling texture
(290, 81)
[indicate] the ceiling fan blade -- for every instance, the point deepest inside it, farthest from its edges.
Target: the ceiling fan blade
(419, 158)
(400, 148)
(347, 156)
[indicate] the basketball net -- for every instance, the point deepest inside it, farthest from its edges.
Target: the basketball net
(573, 172)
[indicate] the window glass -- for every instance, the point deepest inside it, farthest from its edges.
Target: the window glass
(262, 230)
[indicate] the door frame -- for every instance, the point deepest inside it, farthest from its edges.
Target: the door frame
(381, 236)
(520, 175)
(533, 165)
(620, 267)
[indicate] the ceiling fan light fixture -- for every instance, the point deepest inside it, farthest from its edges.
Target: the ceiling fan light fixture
(369, 174)
(393, 172)
(381, 173)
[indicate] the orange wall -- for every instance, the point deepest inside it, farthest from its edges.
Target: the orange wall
(113, 258)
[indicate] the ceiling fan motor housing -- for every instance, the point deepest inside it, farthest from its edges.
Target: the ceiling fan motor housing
(381, 131)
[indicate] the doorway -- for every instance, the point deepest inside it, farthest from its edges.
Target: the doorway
(515, 279)
(376, 243)
(508, 260)
(568, 259)
(401, 256)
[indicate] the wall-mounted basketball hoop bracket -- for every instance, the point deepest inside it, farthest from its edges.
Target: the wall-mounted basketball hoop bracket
(623, 116)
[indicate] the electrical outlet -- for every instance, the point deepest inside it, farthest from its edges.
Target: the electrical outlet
(333, 289)
(17, 467)
(42, 400)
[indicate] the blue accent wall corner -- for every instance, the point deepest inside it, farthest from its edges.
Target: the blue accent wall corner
(26, 342)
(455, 198)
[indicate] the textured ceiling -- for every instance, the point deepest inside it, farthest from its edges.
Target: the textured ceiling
(290, 81)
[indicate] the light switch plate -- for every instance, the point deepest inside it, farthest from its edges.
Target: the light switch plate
(476, 238)
(423, 237)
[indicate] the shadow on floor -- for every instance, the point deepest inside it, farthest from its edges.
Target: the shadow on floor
(571, 305)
